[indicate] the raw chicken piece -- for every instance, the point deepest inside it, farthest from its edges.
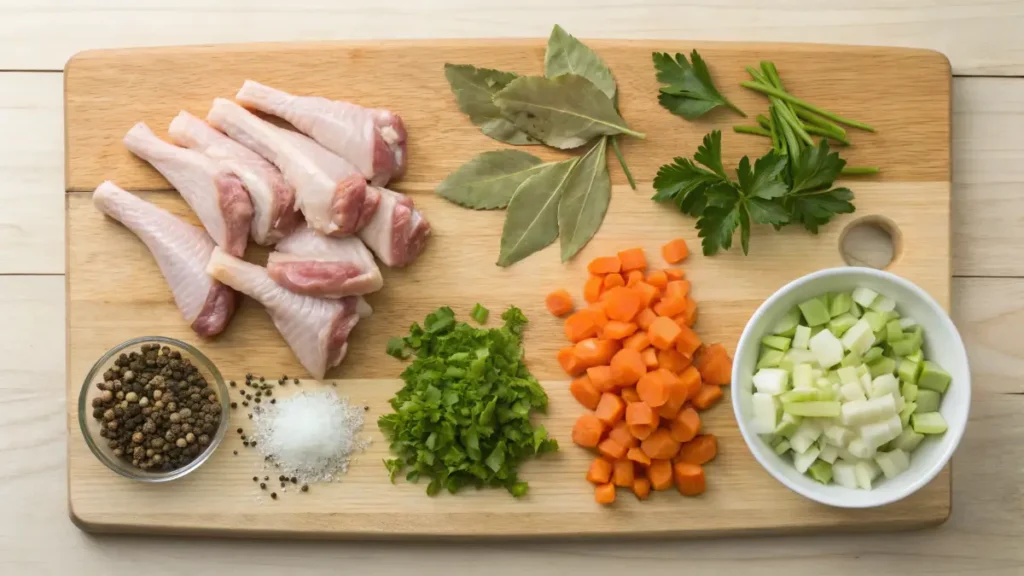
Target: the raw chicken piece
(181, 251)
(316, 329)
(316, 265)
(216, 196)
(398, 232)
(331, 205)
(372, 139)
(273, 199)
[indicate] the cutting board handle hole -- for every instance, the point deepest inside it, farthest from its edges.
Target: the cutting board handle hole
(873, 241)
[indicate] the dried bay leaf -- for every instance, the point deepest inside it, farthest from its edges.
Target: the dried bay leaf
(474, 89)
(563, 112)
(585, 201)
(531, 220)
(489, 180)
(567, 55)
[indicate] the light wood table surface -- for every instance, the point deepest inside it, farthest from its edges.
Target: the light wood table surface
(984, 42)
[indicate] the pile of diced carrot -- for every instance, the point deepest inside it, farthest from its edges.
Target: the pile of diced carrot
(643, 371)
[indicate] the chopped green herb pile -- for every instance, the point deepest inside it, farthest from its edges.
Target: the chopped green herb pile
(463, 416)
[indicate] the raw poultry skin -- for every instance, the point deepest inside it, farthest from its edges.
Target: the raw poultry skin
(181, 251)
(316, 329)
(332, 206)
(372, 139)
(315, 265)
(273, 199)
(216, 196)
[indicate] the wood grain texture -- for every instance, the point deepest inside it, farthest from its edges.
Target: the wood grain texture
(980, 37)
(107, 91)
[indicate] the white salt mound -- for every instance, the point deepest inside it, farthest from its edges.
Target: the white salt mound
(311, 435)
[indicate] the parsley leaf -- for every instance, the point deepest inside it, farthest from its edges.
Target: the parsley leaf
(815, 209)
(716, 227)
(688, 91)
(815, 169)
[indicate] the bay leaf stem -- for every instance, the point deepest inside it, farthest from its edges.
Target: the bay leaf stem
(622, 162)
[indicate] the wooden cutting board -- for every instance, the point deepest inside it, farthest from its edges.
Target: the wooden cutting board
(115, 292)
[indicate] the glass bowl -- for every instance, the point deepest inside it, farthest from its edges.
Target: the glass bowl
(91, 427)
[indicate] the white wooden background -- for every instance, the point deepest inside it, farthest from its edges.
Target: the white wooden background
(984, 39)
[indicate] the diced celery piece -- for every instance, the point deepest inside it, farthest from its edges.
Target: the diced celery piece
(928, 423)
(821, 471)
(900, 403)
(833, 377)
(788, 425)
(916, 356)
(859, 337)
(837, 435)
(883, 365)
(840, 324)
(893, 463)
(852, 391)
(786, 324)
(801, 338)
(933, 377)
(769, 358)
(782, 446)
(848, 374)
(800, 357)
(908, 410)
(852, 359)
(866, 471)
(840, 304)
(884, 384)
(927, 400)
(803, 460)
(876, 434)
(806, 435)
(909, 391)
(813, 409)
(856, 310)
(764, 413)
(771, 381)
(874, 319)
(860, 449)
(827, 348)
(865, 381)
(873, 354)
(862, 371)
(910, 344)
(909, 370)
(893, 331)
(845, 454)
(828, 453)
(880, 337)
(844, 474)
(860, 412)
(817, 329)
(883, 304)
(815, 312)
(803, 376)
(777, 342)
(864, 296)
(908, 440)
(907, 323)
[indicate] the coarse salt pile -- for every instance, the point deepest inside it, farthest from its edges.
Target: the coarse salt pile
(311, 435)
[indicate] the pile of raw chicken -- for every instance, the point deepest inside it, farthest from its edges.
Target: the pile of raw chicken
(244, 176)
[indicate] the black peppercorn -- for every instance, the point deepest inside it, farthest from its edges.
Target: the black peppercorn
(273, 495)
(305, 488)
(235, 452)
(232, 383)
(263, 485)
(255, 479)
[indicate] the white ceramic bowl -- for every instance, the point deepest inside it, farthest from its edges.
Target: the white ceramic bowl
(942, 344)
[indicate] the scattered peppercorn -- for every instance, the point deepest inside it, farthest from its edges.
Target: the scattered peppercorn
(245, 403)
(234, 405)
(255, 479)
(235, 452)
(266, 477)
(273, 400)
(296, 380)
(294, 480)
(273, 495)
(239, 430)
(305, 488)
(263, 485)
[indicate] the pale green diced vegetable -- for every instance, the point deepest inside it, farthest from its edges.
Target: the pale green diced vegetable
(876, 434)
(883, 304)
(893, 463)
(840, 324)
(769, 358)
(837, 435)
(828, 453)
(833, 377)
(859, 337)
(876, 320)
(893, 331)
(803, 376)
(908, 410)
(777, 342)
(865, 381)
(866, 471)
(916, 356)
(788, 425)
(840, 304)
(908, 440)
(909, 392)
(844, 474)
(802, 337)
(907, 323)
(772, 381)
(812, 409)
(864, 296)
(873, 354)
(805, 436)
(851, 359)
(933, 377)
(860, 412)
(852, 391)
(900, 402)
(848, 374)
(815, 312)
(821, 471)
(787, 324)
(803, 460)
(928, 423)
(910, 344)
(860, 449)
(880, 337)
(827, 348)
(884, 384)
(883, 365)
(909, 370)
(927, 400)
(856, 310)
(782, 446)
(764, 413)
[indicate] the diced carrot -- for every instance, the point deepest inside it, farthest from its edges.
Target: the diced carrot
(569, 362)
(627, 367)
(650, 356)
(671, 360)
(687, 342)
(640, 414)
(648, 294)
(620, 433)
(602, 378)
(690, 377)
(685, 425)
(605, 494)
(675, 251)
(622, 473)
(592, 289)
(642, 488)
(658, 279)
(675, 273)
(587, 431)
(689, 478)
(638, 342)
(701, 449)
(612, 281)
(654, 387)
(581, 325)
(633, 259)
(642, 431)
(716, 368)
(559, 302)
(690, 312)
(595, 352)
(612, 449)
(610, 409)
(637, 455)
(615, 330)
(660, 445)
(634, 277)
(605, 265)
(670, 306)
(677, 394)
(622, 303)
(645, 318)
(596, 311)
(600, 471)
(629, 395)
(584, 391)
(706, 397)
(660, 474)
(663, 333)
(677, 289)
